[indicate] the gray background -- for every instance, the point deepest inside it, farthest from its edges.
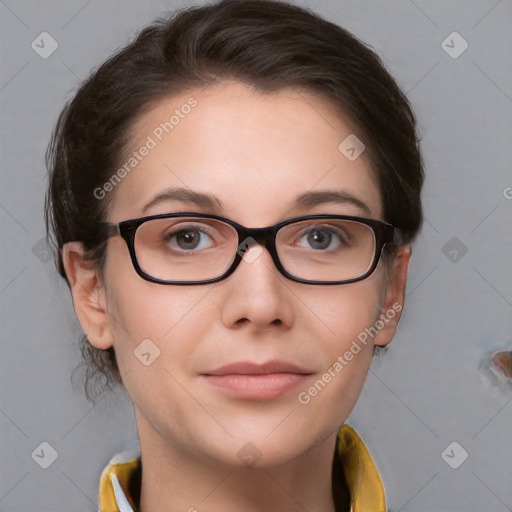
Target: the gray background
(425, 393)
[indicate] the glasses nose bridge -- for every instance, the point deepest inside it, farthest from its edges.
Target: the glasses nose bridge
(262, 236)
(265, 237)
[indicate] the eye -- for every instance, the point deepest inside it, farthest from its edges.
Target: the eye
(189, 239)
(322, 238)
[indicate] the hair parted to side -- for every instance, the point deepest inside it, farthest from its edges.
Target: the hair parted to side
(268, 45)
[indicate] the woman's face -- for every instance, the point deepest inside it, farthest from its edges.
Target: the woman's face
(253, 155)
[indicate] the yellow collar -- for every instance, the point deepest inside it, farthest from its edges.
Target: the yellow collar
(361, 474)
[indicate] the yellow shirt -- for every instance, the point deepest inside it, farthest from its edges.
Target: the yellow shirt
(361, 475)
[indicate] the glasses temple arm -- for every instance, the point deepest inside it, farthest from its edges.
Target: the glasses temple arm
(398, 237)
(108, 230)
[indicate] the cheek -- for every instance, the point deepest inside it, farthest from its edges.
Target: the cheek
(341, 313)
(156, 343)
(341, 323)
(149, 318)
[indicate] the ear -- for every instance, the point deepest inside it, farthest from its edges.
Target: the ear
(88, 295)
(394, 296)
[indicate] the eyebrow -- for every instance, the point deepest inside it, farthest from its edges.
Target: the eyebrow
(310, 199)
(214, 205)
(206, 201)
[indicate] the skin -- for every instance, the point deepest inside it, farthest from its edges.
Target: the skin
(256, 152)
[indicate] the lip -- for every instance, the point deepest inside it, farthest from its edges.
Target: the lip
(250, 368)
(254, 381)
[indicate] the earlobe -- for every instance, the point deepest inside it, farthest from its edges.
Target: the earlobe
(88, 295)
(394, 298)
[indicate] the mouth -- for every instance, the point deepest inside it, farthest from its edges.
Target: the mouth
(253, 381)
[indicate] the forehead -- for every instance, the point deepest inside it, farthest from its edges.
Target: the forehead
(255, 152)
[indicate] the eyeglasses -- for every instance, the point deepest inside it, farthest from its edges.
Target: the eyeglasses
(196, 248)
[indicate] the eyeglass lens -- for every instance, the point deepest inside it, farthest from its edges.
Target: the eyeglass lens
(196, 249)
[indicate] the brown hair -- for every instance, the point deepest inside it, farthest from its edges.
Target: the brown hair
(268, 45)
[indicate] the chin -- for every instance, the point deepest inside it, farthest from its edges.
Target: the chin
(259, 450)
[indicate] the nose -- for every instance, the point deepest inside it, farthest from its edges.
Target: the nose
(256, 293)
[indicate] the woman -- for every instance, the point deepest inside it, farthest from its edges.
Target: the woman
(232, 198)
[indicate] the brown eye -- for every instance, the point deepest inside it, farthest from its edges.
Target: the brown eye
(322, 238)
(187, 239)
(319, 239)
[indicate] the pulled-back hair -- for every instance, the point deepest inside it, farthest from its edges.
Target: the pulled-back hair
(267, 45)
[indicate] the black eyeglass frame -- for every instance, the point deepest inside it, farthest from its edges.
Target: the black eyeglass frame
(384, 234)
